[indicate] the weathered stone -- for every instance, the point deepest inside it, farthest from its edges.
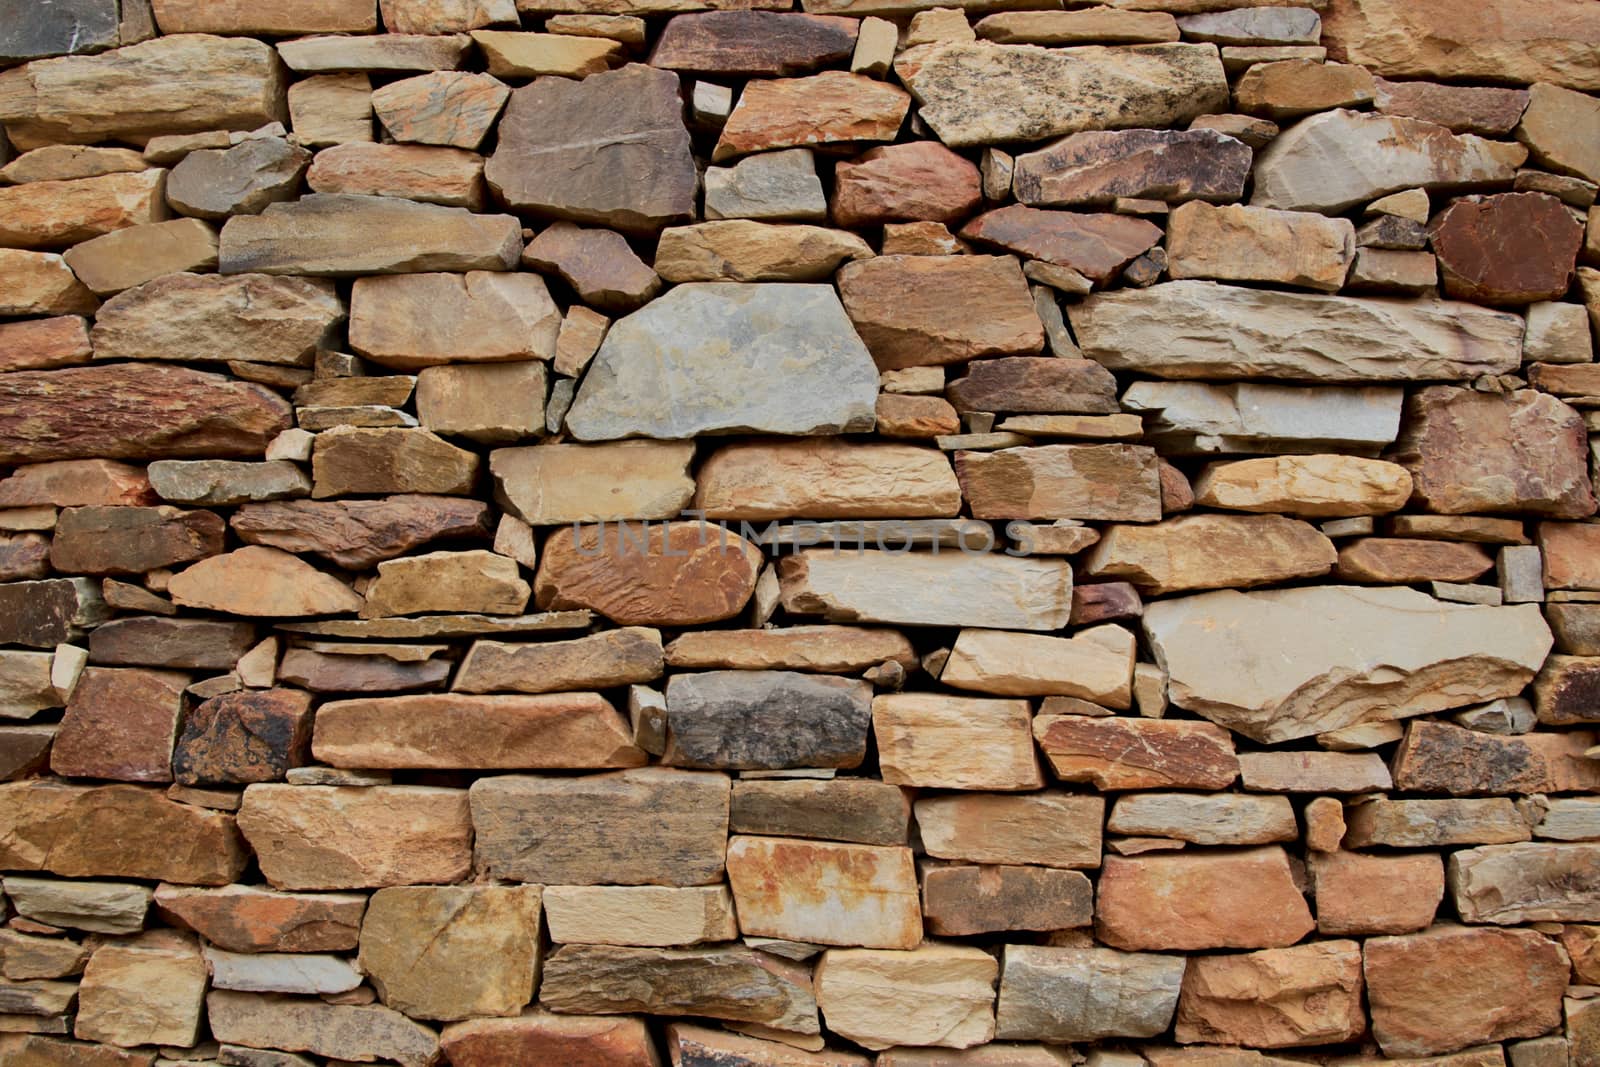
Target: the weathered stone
(663, 827)
(1404, 561)
(1200, 900)
(24, 555)
(1432, 823)
(1137, 754)
(730, 982)
(379, 53)
(1093, 26)
(475, 581)
(1527, 453)
(599, 264)
(711, 345)
(31, 958)
(135, 255)
(1450, 987)
(76, 483)
(319, 837)
(825, 478)
(24, 750)
(328, 109)
(116, 831)
(772, 186)
(452, 952)
(940, 995)
(639, 915)
(26, 686)
(361, 1032)
(1096, 167)
(1564, 690)
(144, 992)
(611, 658)
(1253, 26)
(1314, 772)
(280, 972)
(752, 43)
(248, 919)
(50, 612)
(828, 108)
(1382, 154)
(65, 162)
(1094, 664)
(1210, 551)
(1362, 894)
(429, 627)
(226, 482)
(127, 540)
(451, 108)
(1222, 819)
(1511, 248)
(1258, 244)
(945, 742)
(1276, 998)
(843, 809)
(99, 907)
(281, 18)
(554, 129)
(444, 16)
(528, 55)
(536, 1036)
(1034, 384)
(1525, 882)
(555, 484)
(350, 459)
(1462, 109)
(1096, 246)
(331, 668)
(921, 180)
(244, 179)
(924, 589)
(1437, 757)
(62, 341)
(825, 893)
(1576, 627)
(1099, 482)
(1315, 486)
(84, 26)
(132, 410)
(1046, 829)
(980, 93)
(1292, 87)
(262, 581)
(120, 724)
(242, 737)
(960, 901)
(1085, 993)
(921, 310)
(691, 1045)
(185, 644)
(1234, 331)
(1188, 418)
(766, 720)
(1558, 127)
(356, 534)
(133, 93)
(432, 175)
(740, 250)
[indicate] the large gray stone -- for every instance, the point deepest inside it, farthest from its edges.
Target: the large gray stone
(1197, 329)
(766, 720)
(1290, 663)
(31, 30)
(216, 183)
(703, 359)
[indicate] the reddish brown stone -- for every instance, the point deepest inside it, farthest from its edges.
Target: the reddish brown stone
(76, 483)
(38, 344)
(134, 410)
(1510, 248)
(1105, 602)
(1124, 753)
(1365, 894)
(120, 724)
(25, 555)
(24, 750)
(753, 43)
(357, 534)
(46, 613)
(1041, 384)
(353, 673)
(960, 901)
(1463, 109)
(1276, 998)
(539, 1037)
(1436, 757)
(1099, 166)
(1452, 986)
(921, 181)
(121, 540)
(1242, 898)
(253, 735)
(1567, 690)
(1573, 379)
(901, 415)
(1096, 246)
(684, 575)
(152, 641)
(1405, 561)
(599, 264)
(247, 919)
(1486, 453)
(828, 108)
(115, 831)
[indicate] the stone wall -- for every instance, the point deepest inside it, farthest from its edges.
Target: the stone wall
(603, 533)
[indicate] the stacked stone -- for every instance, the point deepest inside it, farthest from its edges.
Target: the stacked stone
(606, 532)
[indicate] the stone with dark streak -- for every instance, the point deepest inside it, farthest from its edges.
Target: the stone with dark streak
(1125, 753)
(1096, 246)
(47, 613)
(356, 534)
(764, 44)
(766, 720)
(1098, 166)
(253, 735)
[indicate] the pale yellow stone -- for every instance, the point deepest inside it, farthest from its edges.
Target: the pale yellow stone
(1094, 664)
(742, 250)
(827, 478)
(658, 916)
(528, 55)
(939, 994)
(1315, 486)
(934, 741)
(556, 484)
(143, 992)
(475, 581)
(824, 893)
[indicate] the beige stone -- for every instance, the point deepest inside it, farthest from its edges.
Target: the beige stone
(624, 656)
(474, 581)
(1289, 88)
(1096, 25)
(664, 916)
(100, 907)
(356, 460)
(418, 320)
(1237, 243)
(261, 581)
(1275, 998)
(143, 992)
(1314, 772)
(492, 403)
(826, 478)
(63, 162)
(1375, 894)
(1094, 664)
(1526, 882)
(452, 108)
(128, 257)
(556, 484)
(741, 250)
(530, 55)
(41, 283)
(829, 649)
(825, 893)
(1559, 127)
(1221, 819)
(1084, 993)
(1114, 483)
(277, 18)
(933, 741)
(1208, 551)
(379, 53)
(445, 16)
(1314, 486)
(327, 109)
(1050, 829)
(939, 994)
(415, 172)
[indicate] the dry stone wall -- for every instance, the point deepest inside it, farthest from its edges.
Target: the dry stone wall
(616, 533)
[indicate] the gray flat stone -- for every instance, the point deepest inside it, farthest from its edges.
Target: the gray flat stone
(766, 720)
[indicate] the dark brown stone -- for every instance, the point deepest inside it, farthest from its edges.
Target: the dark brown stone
(1437, 757)
(190, 644)
(1105, 602)
(1510, 248)
(340, 673)
(1460, 108)
(753, 43)
(1096, 246)
(135, 411)
(599, 264)
(24, 750)
(120, 724)
(247, 919)
(47, 613)
(1393, 233)
(960, 901)
(363, 460)
(24, 555)
(922, 181)
(132, 540)
(357, 534)
(766, 720)
(611, 149)
(1486, 453)
(1567, 690)
(1099, 166)
(1038, 384)
(858, 810)
(253, 735)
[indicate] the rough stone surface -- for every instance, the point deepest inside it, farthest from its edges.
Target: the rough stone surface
(1315, 486)
(935, 741)
(1048, 829)
(1210, 551)
(938, 995)
(1253, 244)
(1120, 753)
(824, 478)
(1242, 899)
(828, 108)
(1085, 993)
(1095, 167)
(1513, 248)
(120, 724)
(1096, 246)
(361, 1032)
(766, 720)
(1276, 998)
(919, 181)
(357, 534)
(825, 893)
(1525, 882)
(249, 919)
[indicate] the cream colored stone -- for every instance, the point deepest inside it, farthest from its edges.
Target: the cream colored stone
(742, 250)
(1094, 664)
(1252, 244)
(1315, 486)
(929, 740)
(826, 478)
(475, 581)
(662, 916)
(556, 484)
(939, 994)
(1204, 551)
(144, 992)
(1220, 819)
(1051, 829)
(824, 893)
(530, 55)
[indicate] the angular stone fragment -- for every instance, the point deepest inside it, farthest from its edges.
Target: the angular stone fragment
(1137, 754)
(773, 186)
(1315, 486)
(448, 176)
(688, 1044)
(280, 972)
(134, 411)
(188, 644)
(679, 345)
(1258, 244)
(1292, 87)
(538, 1036)
(527, 55)
(379, 53)
(25, 684)
(1214, 820)
(1207, 551)
(1558, 127)
(939, 995)
(600, 265)
(1462, 109)
(475, 581)
(50, 612)
(24, 750)
(217, 183)
(961, 901)
(242, 737)
(921, 310)
(766, 720)
(137, 254)
(1276, 998)
(824, 478)
(1403, 561)
(99, 907)
(670, 574)
(1512, 248)
(825, 893)
(1094, 26)
(262, 581)
(726, 982)
(1094, 664)
(554, 129)
(452, 952)
(1085, 993)
(355, 534)
(361, 1032)
(663, 827)
(226, 482)
(1188, 418)
(76, 483)
(1314, 772)
(921, 180)
(1382, 154)
(1527, 453)
(934, 741)
(281, 18)
(555, 484)
(350, 459)
(1432, 823)
(83, 26)
(613, 657)
(1450, 987)
(828, 108)
(1526, 882)
(752, 43)
(739, 250)
(1101, 482)
(1199, 900)
(982, 93)
(40, 283)
(240, 918)
(144, 992)
(1346, 666)
(330, 109)
(1564, 690)
(124, 540)
(842, 809)
(120, 724)
(1047, 829)
(1233, 331)
(1096, 167)
(335, 235)
(444, 16)
(451, 108)
(639, 915)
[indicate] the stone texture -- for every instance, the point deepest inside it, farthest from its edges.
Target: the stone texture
(825, 893)
(1558, 128)
(47, 613)
(1401, 561)
(282, 18)
(1512, 248)
(1314, 772)
(1450, 987)
(766, 720)
(1029, 384)
(1239, 243)
(664, 827)
(1525, 882)
(773, 186)
(1563, 691)
(1276, 998)
(379, 53)
(1189, 418)
(138, 411)
(355, 534)
(1098, 166)
(281, 972)
(1315, 486)
(327, 109)
(934, 741)
(452, 952)
(1372, 894)
(1527, 453)
(444, 16)
(249, 919)
(675, 347)
(739, 250)
(1201, 900)
(261, 581)
(826, 478)
(217, 183)
(130, 540)
(1094, 664)
(1137, 754)
(918, 181)
(828, 108)
(448, 176)
(527, 55)
(556, 484)
(477, 581)
(76, 483)
(41, 283)
(981, 93)
(1048, 829)
(961, 901)
(1205, 820)
(1210, 551)
(226, 482)
(242, 737)
(579, 1040)
(625, 656)
(361, 1032)
(185, 644)
(1102, 482)
(554, 129)
(86, 26)
(857, 810)
(1463, 109)
(600, 265)
(1050, 993)
(325, 837)
(143, 992)
(25, 684)
(99, 907)
(353, 459)
(134, 255)
(664, 916)
(120, 724)
(938, 995)
(1569, 555)
(446, 107)
(1096, 246)
(754, 43)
